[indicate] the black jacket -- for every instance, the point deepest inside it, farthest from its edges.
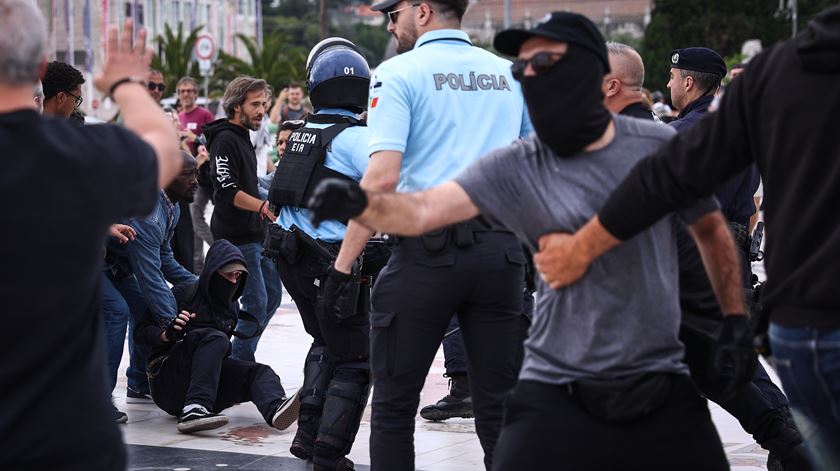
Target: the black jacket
(197, 300)
(781, 114)
(736, 194)
(233, 169)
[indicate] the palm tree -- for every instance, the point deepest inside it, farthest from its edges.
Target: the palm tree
(275, 62)
(175, 55)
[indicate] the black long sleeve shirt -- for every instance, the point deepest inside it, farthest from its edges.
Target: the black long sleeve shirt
(781, 114)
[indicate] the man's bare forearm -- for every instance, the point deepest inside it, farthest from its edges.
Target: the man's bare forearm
(354, 242)
(395, 213)
(721, 259)
(247, 202)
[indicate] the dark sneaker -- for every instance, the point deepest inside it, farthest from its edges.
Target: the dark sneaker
(134, 397)
(287, 413)
(199, 418)
(119, 416)
(303, 444)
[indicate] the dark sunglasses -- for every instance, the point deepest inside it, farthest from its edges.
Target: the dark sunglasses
(160, 86)
(541, 62)
(394, 14)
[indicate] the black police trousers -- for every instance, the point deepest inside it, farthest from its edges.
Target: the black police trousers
(413, 300)
(347, 341)
(454, 356)
(546, 428)
(198, 370)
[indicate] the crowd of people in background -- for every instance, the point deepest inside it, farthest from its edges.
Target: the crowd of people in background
(180, 228)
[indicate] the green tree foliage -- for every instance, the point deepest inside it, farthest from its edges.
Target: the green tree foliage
(722, 25)
(298, 19)
(175, 55)
(276, 62)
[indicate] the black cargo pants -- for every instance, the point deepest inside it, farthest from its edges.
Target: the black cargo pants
(413, 301)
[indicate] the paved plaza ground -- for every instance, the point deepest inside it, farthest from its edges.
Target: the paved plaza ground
(247, 443)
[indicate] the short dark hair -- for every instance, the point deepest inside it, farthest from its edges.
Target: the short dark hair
(455, 8)
(705, 80)
(295, 85)
(60, 77)
(291, 124)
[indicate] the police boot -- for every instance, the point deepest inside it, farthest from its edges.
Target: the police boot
(781, 438)
(317, 373)
(346, 400)
(457, 403)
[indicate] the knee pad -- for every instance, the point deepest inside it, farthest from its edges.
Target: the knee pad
(345, 403)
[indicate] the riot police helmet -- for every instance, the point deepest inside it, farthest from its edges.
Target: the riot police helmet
(337, 76)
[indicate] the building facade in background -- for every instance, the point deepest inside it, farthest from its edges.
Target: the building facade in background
(485, 18)
(77, 30)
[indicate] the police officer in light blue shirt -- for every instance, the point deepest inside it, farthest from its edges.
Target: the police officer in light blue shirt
(348, 156)
(332, 144)
(433, 110)
(443, 105)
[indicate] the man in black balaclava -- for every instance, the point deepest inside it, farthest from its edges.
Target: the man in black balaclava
(603, 364)
(191, 372)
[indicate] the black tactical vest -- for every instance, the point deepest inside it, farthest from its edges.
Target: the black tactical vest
(301, 167)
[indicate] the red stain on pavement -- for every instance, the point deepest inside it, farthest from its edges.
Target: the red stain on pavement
(251, 435)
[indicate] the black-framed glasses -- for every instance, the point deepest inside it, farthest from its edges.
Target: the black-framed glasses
(541, 62)
(394, 14)
(160, 86)
(79, 99)
(188, 90)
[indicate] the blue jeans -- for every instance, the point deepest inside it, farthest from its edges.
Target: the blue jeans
(122, 303)
(808, 362)
(261, 298)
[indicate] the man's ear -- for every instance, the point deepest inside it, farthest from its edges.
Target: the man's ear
(689, 83)
(425, 14)
(613, 86)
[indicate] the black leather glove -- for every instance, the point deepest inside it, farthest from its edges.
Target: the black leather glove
(171, 333)
(340, 293)
(734, 352)
(336, 199)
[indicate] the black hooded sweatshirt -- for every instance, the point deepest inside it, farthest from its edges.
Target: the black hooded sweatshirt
(782, 114)
(208, 312)
(233, 169)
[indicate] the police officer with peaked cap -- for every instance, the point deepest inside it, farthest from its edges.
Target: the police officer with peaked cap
(696, 73)
(760, 406)
(332, 144)
(434, 109)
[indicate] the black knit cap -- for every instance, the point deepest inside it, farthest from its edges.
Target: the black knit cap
(561, 26)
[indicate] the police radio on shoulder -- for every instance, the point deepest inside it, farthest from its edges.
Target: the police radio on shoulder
(122, 81)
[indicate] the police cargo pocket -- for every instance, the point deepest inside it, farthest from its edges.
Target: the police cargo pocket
(383, 342)
(515, 257)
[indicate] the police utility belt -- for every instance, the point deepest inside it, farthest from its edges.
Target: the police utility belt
(461, 235)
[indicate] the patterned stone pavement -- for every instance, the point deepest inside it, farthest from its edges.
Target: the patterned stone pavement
(247, 443)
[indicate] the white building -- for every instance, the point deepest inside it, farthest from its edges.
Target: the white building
(77, 28)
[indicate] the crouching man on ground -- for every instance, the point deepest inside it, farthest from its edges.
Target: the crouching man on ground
(190, 369)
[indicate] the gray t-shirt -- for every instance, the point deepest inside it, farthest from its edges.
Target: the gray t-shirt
(623, 316)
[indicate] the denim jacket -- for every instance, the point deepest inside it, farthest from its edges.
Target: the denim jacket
(151, 259)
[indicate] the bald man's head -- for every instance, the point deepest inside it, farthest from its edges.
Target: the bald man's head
(623, 85)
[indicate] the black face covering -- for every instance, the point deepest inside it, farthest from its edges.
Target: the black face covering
(222, 291)
(566, 104)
